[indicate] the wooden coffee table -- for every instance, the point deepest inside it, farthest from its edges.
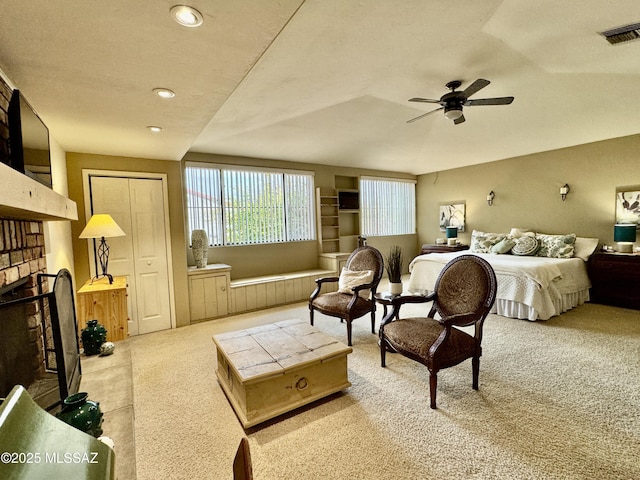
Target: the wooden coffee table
(272, 369)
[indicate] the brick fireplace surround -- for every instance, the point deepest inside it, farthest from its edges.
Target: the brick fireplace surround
(22, 257)
(22, 252)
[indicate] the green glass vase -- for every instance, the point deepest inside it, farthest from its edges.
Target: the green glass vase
(81, 413)
(93, 336)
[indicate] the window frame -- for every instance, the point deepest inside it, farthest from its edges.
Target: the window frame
(222, 237)
(366, 222)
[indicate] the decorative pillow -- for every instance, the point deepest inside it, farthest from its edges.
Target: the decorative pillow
(584, 247)
(352, 278)
(525, 245)
(482, 242)
(503, 246)
(521, 232)
(556, 246)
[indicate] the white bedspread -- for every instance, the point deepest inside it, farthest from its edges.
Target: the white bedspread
(535, 288)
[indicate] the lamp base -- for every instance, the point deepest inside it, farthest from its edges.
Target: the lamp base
(104, 275)
(625, 247)
(103, 255)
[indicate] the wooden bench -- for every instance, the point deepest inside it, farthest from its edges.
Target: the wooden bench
(256, 293)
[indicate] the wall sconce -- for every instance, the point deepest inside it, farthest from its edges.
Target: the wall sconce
(564, 190)
(490, 198)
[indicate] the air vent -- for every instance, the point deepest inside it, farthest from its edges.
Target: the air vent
(622, 34)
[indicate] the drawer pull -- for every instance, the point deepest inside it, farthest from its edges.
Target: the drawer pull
(302, 383)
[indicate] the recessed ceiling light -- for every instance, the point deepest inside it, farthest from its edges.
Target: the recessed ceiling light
(186, 15)
(164, 92)
(154, 129)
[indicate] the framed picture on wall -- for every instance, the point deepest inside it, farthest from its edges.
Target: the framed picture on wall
(628, 205)
(452, 215)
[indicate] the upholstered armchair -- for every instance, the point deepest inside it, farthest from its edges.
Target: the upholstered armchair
(357, 285)
(464, 294)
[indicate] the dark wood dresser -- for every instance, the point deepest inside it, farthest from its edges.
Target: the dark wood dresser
(429, 248)
(615, 279)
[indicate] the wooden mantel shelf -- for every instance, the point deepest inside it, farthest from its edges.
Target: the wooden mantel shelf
(23, 198)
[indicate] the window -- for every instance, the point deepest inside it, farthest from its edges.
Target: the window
(245, 206)
(387, 207)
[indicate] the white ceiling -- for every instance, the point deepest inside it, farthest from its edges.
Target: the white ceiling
(324, 81)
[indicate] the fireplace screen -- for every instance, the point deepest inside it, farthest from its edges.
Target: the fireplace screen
(39, 344)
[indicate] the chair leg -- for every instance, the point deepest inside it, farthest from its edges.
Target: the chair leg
(311, 316)
(242, 467)
(373, 322)
(433, 384)
(349, 332)
(383, 354)
(475, 366)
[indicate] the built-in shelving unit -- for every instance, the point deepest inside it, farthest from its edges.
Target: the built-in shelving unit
(338, 220)
(328, 220)
(347, 188)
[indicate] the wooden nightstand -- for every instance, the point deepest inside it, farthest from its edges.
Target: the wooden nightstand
(107, 303)
(429, 248)
(615, 279)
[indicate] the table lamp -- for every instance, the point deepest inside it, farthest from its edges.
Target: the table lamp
(102, 226)
(452, 235)
(625, 235)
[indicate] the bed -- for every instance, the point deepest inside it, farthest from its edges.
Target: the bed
(529, 287)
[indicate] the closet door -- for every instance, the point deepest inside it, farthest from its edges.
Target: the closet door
(150, 254)
(137, 206)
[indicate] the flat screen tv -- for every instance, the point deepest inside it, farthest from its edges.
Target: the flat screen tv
(28, 141)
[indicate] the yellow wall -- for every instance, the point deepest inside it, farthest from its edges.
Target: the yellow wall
(257, 260)
(58, 237)
(527, 191)
(526, 188)
(245, 260)
(76, 162)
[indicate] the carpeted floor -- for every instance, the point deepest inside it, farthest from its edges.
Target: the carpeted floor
(558, 400)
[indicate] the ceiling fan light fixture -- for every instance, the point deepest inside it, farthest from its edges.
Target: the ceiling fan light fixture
(186, 16)
(453, 113)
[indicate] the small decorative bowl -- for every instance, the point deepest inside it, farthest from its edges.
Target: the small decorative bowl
(107, 348)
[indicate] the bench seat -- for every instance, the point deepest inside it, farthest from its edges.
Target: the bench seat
(255, 293)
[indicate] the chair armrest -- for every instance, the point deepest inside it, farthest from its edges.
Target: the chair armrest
(402, 299)
(319, 282)
(364, 286)
(460, 319)
(397, 301)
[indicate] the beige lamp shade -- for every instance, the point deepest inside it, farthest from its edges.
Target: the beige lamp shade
(102, 225)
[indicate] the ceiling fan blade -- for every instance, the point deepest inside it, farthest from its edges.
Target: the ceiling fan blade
(475, 86)
(424, 115)
(458, 120)
(423, 100)
(489, 101)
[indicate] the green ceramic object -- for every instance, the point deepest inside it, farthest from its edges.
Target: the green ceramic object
(81, 413)
(93, 336)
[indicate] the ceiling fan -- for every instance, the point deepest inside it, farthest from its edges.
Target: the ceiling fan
(453, 101)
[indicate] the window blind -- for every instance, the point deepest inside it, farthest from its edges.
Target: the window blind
(387, 207)
(245, 206)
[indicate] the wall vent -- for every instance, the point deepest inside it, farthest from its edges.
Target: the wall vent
(622, 34)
